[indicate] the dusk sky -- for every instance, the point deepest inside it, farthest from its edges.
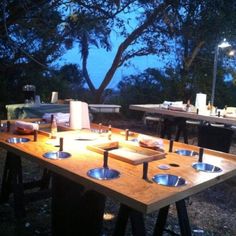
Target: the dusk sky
(100, 61)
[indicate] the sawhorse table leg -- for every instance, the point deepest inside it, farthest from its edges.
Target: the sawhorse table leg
(136, 218)
(182, 217)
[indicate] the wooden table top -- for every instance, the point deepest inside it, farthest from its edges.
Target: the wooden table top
(155, 108)
(130, 189)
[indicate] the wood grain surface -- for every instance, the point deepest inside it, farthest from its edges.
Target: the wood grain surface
(130, 189)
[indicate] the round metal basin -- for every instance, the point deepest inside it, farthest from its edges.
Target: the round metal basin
(169, 180)
(103, 173)
(56, 155)
(201, 166)
(188, 153)
(18, 140)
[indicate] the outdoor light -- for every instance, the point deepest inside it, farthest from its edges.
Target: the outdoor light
(222, 45)
(232, 53)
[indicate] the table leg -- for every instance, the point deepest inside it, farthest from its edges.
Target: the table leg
(161, 221)
(166, 128)
(181, 128)
(45, 180)
(12, 182)
(185, 228)
(75, 211)
(6, 187)
(136, 218)
(183, 218)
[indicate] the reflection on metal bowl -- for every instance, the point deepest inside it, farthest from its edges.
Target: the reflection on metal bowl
(184, 152)
(201, 166)
(18, 140)
(103, 173)
(57, 155)
(169, 180)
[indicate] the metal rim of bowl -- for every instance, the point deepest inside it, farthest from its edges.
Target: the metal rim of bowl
(17, 140)
(218, 169)
(56, 157)
(192, 153)
(89, 173)
(179, 178)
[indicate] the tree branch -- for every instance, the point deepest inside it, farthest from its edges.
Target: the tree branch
(189, 60)
(123, 46)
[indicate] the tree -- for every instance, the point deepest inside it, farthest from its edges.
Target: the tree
(106, 15)
(70, 76)
(193, 27)
(30, 40)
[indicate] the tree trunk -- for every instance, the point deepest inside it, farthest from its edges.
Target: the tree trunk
(124, 45)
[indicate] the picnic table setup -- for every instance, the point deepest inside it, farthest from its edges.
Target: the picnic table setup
(86, 165)
(214, 125)
(35, 110)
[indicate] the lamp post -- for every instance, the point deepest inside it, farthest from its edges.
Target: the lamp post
(222, 45)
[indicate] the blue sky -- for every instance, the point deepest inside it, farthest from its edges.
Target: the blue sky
(100, 61)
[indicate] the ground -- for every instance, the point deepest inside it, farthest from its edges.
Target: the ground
(211, 212)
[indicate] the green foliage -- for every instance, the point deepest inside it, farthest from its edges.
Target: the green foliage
(33, 34)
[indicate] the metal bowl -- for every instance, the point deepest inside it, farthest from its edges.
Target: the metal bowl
(58, 155)
(188, 153)
(103, 173)
(201, 166)
(18, 140)
(169, 180)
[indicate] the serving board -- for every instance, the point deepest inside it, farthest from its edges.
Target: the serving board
(127, 152)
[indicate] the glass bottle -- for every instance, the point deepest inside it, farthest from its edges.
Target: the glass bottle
(109, 132)
(53, 127)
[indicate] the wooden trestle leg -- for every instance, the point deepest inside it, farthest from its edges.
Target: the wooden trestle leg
(136, 218)
(182, 217)
(12, 182)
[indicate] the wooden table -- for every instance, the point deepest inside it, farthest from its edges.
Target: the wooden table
(137, 195)
(22, 111)
(155, 108)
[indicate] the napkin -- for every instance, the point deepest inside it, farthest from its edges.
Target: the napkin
(233, 116)
(148, 141)
(54, 97)
(177, 107)
(59, 116)
(172, 105)
(26, 125)
(79, 115)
